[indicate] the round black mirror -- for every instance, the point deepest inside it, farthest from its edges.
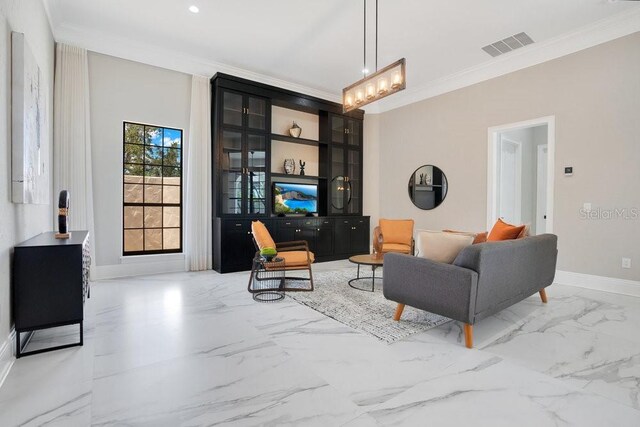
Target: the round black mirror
(427, 187)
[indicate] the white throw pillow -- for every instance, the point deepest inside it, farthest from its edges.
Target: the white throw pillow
(440, 246)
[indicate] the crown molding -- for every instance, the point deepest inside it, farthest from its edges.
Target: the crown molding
(125, 48)
(583, 38)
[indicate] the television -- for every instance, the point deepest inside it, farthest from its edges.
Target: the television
(292, 198)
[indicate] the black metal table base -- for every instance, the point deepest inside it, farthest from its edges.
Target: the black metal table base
(372, 277)
(19, 346)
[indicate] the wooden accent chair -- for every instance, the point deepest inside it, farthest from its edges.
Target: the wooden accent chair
(296, 254)
(393, 235)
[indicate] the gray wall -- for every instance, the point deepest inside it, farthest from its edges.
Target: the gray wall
(595, 97)
(120, 91)
(20, 222)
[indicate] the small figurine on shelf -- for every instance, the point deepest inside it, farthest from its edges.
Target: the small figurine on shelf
(302, 167)
(421, 179)
(295, 130)
(289, 166)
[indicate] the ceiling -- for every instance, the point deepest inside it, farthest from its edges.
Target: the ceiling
(316, 46)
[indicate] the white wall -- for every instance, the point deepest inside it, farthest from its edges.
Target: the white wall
(19, 222)
(123, 90)
(595, 97)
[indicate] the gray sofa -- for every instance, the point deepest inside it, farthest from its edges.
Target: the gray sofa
(484, 279)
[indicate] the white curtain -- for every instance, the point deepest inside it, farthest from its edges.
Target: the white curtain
(72, 137)
(198, 183)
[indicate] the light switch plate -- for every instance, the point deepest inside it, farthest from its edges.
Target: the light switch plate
(626, 262)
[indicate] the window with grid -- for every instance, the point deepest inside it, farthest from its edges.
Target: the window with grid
(152, 181)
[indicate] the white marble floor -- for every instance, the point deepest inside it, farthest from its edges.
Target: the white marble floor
(191, 349)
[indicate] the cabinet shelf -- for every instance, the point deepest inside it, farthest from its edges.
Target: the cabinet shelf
(285, 138)
(285, 175)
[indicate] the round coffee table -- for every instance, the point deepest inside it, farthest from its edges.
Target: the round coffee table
(366, 260)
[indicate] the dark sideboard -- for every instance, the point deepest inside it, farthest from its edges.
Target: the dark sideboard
(50, 284)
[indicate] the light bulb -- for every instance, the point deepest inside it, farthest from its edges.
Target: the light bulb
(348, 100)
(397, 80)
(194, 9)
(371, 91)
(359, 97)
(382, 86)
(365, 71)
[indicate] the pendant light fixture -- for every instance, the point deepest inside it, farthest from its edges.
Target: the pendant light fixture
(375, 86)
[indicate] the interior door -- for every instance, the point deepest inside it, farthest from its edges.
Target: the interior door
(509, 180)
(541, 190)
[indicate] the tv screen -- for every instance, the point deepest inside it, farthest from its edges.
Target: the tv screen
(295, 198)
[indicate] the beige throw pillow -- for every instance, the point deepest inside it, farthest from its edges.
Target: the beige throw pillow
(440, 246)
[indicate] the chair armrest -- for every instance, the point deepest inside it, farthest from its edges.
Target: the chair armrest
(439, 288)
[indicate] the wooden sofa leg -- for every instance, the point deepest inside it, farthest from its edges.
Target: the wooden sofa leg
(543, 295)
(399, 311)
(468, 335)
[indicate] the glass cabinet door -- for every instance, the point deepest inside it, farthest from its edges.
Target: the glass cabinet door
(353, 178)
(353, 132)
(337, 129)
(256, 113)
(232, 109)
(257, 174)
(231, 170)
(338, 184)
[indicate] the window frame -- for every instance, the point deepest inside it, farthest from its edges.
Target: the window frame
(143, 204)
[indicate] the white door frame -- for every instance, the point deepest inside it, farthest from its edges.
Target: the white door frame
(540, 214)
(518, 190)
(492, 180)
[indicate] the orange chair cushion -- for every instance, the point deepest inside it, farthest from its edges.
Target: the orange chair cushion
(397, 231)
(503, 231)
(396, 247)
(296, 258)
(262, 236)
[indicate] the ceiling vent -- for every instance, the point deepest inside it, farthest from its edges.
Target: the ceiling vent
(507, 45)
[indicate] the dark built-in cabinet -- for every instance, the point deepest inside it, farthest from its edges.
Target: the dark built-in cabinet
(243, 176)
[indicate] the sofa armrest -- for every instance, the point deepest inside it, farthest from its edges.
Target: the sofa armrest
(439, 288)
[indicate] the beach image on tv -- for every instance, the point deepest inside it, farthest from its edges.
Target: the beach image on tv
(295, 198)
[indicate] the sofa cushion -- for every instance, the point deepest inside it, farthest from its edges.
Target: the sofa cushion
(261, 235)
(397, 231)
(526, 231)
(477, 237)
(504, 231)
(441, 246)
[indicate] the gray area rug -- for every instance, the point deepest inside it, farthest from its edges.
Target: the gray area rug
(364, 311)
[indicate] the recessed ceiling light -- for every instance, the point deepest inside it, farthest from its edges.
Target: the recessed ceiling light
(194, 9)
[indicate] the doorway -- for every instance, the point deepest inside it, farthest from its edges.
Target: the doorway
(520, 174)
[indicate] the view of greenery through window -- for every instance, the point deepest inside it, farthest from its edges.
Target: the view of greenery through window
(152, 208)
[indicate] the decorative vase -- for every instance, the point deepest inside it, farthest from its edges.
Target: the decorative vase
(428, 179)
(289, 166)
(295, 130)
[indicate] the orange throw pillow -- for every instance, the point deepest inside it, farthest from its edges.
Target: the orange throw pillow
(480, 237)
(503, 231)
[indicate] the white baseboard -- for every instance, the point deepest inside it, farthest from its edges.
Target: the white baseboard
(6, 356)
(598, 283)
(101, 272)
